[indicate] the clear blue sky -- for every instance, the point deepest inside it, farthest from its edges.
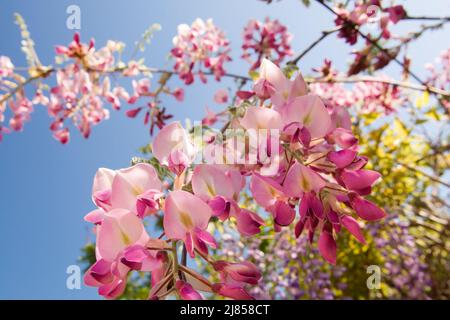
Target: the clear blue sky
(45, 187)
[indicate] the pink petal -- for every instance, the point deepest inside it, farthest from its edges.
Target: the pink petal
(327, 247)
(119, 229)
(264, 190)
(186, 291)
(366, 209)
(310, 111)
(301, 179)
(183, 212)
(284, 214)
(352, 226)
(209, 181)
(248, 222)
(261, 118)
(233, 292)
(359, 179)
(342, 158)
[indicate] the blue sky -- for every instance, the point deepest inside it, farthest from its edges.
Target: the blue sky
(45, 187)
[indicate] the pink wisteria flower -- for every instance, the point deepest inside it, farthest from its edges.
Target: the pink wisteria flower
(198, 49)
(315, 170)
(320, 169)
(121, 238)
(364, 12)
(268, 39)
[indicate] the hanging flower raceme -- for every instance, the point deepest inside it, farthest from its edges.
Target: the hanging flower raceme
(295, 152)
(126, 197)
(198, 49)
(320, 169)
(364, 12)
(268, 39)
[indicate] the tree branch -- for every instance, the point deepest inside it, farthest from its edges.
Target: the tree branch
(325, 34)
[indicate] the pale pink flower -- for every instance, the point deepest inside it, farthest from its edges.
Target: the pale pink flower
(186, 218)
(201, 45)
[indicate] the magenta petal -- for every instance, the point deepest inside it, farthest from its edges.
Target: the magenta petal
(243, 272)
(299, 228)
(99, 273)
(206, 237)
(352, 226)
(189, 242)
(220, 207)
(114, 289)
(233, 292)
(366, 209)
(248, 222)
(359, 179)
(284, 214)
(327, 247)
(342, 158)
(187, 292)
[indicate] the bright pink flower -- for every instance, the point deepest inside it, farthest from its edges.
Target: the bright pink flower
(186, 291)
(233, 292)
(248, 222)
(344, 138)
(274, 84)
(327, 245)
(268, 39)
(360, 181)
(244, 272)
(365, 209)
(396, 13)
(186, 218)
(200, 45)
(353, 227)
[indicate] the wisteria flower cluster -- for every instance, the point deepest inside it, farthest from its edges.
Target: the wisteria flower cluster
(306, 157)
(366, 96)
(199, 48)
(268, 39)
(364, 12)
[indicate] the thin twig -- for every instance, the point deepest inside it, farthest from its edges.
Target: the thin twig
(397, 83)
(325, 34)
(426, 18)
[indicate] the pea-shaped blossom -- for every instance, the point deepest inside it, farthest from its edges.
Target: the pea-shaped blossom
(186, 218)
(268, 39)
(200, 48)
(319, 169)
(216, 186)
(121, 240)
(137, 189)
(174, 148)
